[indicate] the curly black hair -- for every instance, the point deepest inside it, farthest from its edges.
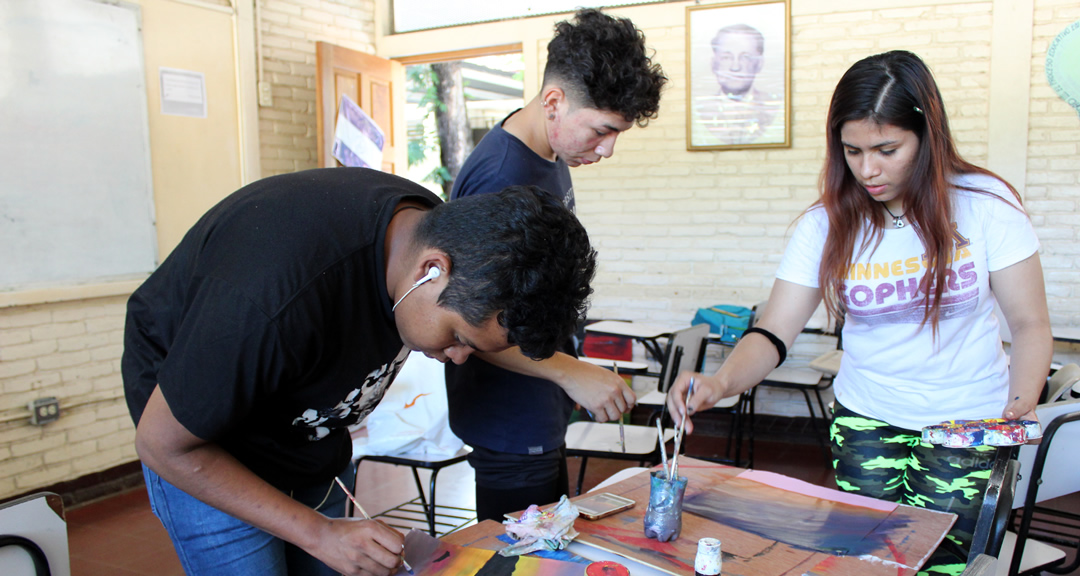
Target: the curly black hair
(520, 254)
(601, 62)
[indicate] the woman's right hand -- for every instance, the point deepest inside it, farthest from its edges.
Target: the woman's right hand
(708, 390)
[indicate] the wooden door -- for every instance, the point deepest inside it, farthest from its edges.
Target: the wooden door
(376, 84)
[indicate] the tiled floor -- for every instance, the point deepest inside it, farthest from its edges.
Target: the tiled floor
(119, 536)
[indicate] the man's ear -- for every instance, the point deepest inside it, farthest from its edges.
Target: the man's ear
(552, 97)
(428, 260)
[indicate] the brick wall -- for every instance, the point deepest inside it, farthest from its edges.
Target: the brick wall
(290, 29)
(70, 351)
(1053, 180)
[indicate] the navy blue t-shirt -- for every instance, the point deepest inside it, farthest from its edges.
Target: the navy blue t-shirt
(269, 327)
(491, 407)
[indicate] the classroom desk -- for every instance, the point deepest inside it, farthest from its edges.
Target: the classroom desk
(648, 334)
(768, 524)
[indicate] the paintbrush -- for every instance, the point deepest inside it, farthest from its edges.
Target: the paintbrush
(622, 433)
(663, 448)
(366, 517)
(679, 433)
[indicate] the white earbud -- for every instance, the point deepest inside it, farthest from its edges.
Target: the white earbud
(432, 274)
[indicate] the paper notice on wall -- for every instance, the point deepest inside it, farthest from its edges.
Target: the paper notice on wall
(183, 92)
(358, 141)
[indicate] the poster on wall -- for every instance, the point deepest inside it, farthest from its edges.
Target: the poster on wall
(1063, 65)
(358, 140)
(738, 64)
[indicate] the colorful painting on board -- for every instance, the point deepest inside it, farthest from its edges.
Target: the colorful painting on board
(900, 542)
(795, 519)
(431, 557)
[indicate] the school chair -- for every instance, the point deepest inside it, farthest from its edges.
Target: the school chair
(1047, 470)
(410, 428)
(585, 439)
(1061, 382)
(33, 536)
(440, 519)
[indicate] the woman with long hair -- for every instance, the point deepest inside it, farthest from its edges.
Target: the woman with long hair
(911, 246)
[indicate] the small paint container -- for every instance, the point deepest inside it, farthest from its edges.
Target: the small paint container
(663, 518)
(709, 560)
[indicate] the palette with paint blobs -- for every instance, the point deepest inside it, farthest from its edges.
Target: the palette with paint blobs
(986, 432)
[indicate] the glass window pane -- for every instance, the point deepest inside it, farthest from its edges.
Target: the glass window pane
(410, 15)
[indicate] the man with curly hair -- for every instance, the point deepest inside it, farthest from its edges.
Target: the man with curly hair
(598, 82)
(280, 320)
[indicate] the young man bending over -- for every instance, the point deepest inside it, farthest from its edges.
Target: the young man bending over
(280, 319)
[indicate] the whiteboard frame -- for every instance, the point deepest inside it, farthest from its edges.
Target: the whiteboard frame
(125, 267)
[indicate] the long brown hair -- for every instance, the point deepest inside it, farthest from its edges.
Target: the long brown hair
(894, 88)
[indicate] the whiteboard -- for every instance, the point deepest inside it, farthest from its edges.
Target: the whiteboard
(76, 203)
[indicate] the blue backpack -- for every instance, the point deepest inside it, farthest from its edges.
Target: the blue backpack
(727, 320)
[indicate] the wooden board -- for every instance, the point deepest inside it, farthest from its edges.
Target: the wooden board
(903, 541)
(897, 546)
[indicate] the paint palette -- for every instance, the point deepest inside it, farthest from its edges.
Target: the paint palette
(986, 432)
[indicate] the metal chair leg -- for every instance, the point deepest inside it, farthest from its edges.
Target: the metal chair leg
(419, 486)
(814, 424)
(750, 428)
(581, 474)
(431, 509)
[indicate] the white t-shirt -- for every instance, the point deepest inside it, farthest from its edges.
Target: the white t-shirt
(893, 370)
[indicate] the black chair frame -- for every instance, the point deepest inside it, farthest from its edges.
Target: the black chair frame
(1068, 523)
(996, 507)
(426, 506)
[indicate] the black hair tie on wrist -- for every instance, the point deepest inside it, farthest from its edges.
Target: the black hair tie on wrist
(781, 349)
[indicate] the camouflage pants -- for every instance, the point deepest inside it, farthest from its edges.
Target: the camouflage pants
(875, 459)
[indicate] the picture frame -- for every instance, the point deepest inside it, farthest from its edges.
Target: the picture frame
(738, 70)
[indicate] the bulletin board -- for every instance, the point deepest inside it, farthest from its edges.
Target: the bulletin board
(76, 202)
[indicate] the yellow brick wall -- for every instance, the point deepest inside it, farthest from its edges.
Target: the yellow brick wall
(290, 29)
(70, 351)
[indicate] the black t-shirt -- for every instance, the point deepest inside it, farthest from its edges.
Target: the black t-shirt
(491, 407)
(269, 326)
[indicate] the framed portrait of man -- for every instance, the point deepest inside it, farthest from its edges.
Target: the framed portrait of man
(738, 67)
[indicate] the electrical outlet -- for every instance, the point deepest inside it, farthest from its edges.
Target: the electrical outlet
(44, 410)
(266, 96)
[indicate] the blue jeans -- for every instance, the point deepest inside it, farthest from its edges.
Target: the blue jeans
(211, 542)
